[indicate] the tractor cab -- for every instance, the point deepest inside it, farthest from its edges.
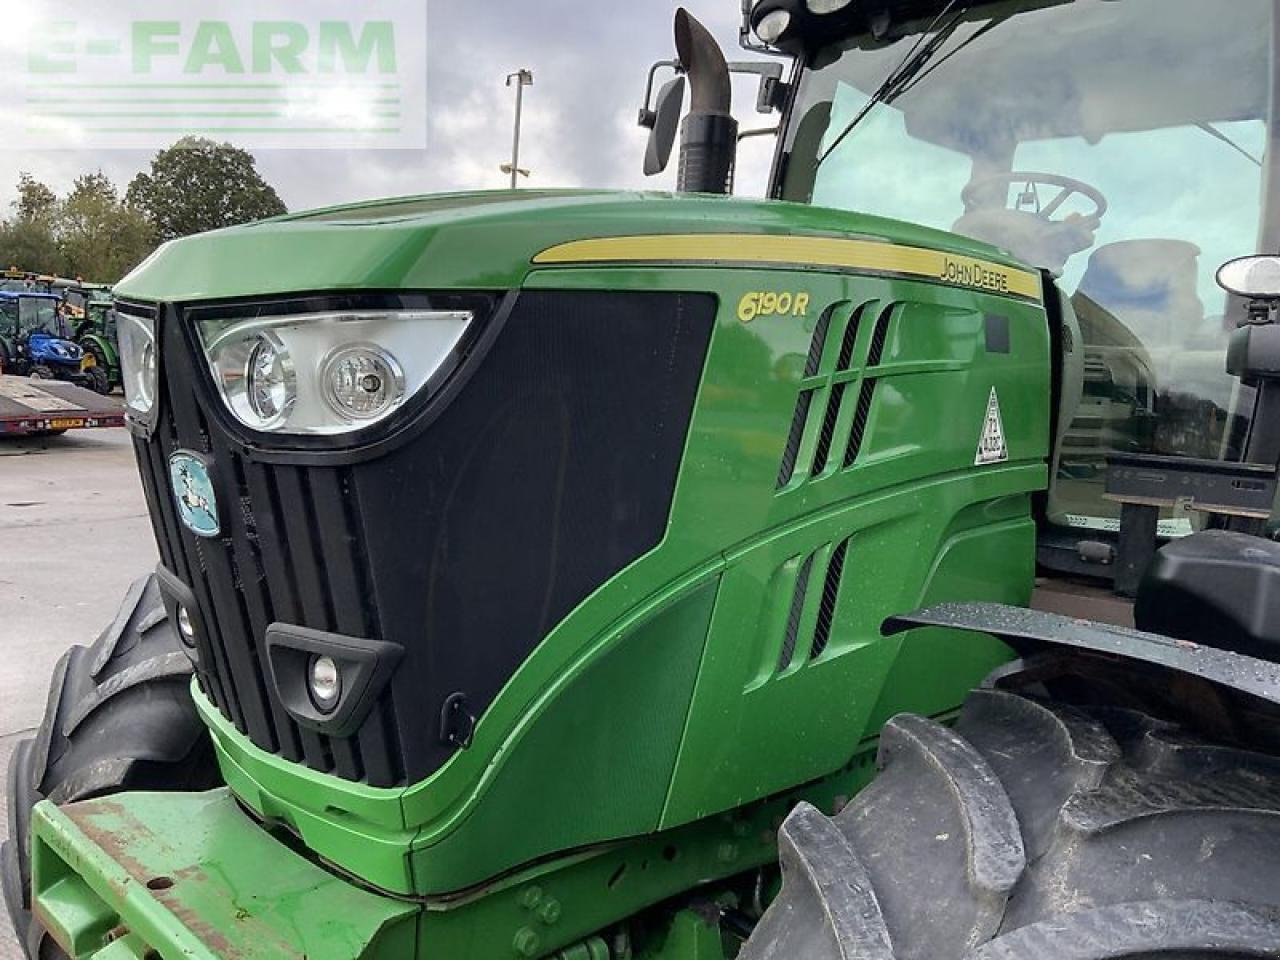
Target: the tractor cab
(79, 294)
(1124, 149)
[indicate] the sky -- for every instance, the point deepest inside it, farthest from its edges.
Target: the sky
(589, 61)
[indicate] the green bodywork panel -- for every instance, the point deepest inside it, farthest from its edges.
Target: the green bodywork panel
(470, 241)
(683, 704)
(913, 504)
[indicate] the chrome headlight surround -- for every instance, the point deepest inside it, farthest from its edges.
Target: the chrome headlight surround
(416, 345)
(139, 362)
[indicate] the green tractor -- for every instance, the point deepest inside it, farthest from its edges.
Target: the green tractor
(92, 312)
(624, 576)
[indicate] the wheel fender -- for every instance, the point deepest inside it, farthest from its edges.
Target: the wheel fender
(1031, 631)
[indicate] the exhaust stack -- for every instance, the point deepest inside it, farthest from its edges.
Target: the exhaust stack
(709, 134)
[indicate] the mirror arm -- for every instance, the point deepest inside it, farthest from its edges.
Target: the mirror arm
(647, 115)
(772, 94)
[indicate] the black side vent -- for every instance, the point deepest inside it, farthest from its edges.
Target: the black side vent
(788, 468)
(830, 595)
(823, 452)
(819, 342)
(793, 617)
(850, 338)
(879, 337)
(860, 417)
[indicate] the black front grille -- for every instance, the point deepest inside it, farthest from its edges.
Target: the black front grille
(290, 551)
(548, 469)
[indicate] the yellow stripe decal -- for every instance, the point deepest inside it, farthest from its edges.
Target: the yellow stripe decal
(871, 256)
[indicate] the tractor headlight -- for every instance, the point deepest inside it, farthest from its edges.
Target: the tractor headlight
(269, 388)
(773, 25)
(822, 7)
(137, 341)
(327, 373)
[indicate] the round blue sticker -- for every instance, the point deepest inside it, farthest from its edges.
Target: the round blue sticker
(192, 488)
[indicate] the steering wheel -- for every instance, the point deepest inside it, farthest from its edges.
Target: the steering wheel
(978, 190)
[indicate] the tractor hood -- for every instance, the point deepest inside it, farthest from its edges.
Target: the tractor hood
(475, 241)
(45, 346)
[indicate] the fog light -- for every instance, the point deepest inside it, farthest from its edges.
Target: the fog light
(362, 381)
(773, 25)
(186, 629)
(326, 684)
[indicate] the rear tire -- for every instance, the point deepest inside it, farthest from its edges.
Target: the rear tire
(1035, 830)
(119, 717)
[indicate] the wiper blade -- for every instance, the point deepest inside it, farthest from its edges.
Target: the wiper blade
(899, 79)
(1217, 134)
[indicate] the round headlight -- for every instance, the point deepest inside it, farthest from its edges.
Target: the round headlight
(826, 6)
(773, 25)
(269, 379)
(362, 381)
(325, 683)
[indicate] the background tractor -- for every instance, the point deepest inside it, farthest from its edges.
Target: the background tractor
(91, 312)
(607, 576)
(35, 342)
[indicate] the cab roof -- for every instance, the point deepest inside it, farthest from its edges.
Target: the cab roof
(24, 294)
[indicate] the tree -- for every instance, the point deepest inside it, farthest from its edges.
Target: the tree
(198, 185)
(36, 201)
(28, 239)
(100, 237)
(29, 245)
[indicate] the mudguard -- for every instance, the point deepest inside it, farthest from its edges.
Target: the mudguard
(1030, 631)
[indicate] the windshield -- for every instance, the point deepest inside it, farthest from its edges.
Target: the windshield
(38, 315)
(1119, 144)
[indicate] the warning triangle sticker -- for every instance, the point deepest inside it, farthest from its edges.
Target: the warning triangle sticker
(991, 445)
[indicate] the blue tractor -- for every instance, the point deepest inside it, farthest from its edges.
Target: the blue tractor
(34, 342)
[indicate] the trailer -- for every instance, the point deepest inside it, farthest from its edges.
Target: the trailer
(34, 407)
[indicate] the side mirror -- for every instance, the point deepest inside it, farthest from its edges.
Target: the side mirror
(666, 121)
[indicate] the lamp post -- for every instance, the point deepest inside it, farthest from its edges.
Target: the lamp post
(522, 79)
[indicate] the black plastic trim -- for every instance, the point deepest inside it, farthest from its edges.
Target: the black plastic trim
(174, 594)
(364, 666)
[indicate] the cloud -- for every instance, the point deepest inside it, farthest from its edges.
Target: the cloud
(589, 61)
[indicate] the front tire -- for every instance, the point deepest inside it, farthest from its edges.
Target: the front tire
(119, 717)
(1033, 830)
(99, 382)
